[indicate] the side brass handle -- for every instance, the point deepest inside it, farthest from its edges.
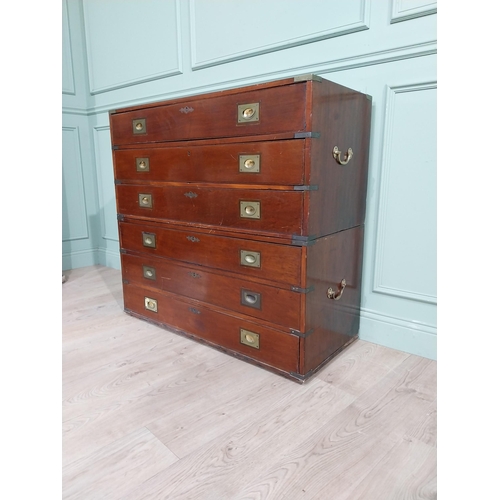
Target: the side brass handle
(336, 294)
(337, 154)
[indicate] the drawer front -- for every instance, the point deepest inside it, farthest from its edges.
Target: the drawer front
(268, 162)
(276, 305)
(269, 261)
(259, 210)
(269, 346)
(265, 111)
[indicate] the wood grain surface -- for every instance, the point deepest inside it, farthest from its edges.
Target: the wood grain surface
(148, 414)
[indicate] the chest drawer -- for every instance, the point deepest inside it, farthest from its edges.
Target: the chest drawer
(266, 162)
(250, 339)
(256, 209)
(258, 112)
(266, 261)
(278, 305)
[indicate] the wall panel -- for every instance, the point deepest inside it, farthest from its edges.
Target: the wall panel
(402, 10)
(406, 260)
(74, 208)
(247, 29)
(119, 35)
(68, 77)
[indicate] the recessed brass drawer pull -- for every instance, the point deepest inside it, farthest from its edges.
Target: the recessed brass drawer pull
(248, 112)
(337, 154)
(149, 240)
(250, 259)
(249, 164)
(146, 200)
(139, 126)
(142, 164)
(151, 304)
(250, 299)
(250, 209)
(149, 272)
(249, 338)
(335, 295)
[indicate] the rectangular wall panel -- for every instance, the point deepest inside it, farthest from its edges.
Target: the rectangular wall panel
(105, 183)
(74, 211)
(131, 42)
(406, 260)
(68, 80)
(402, 10)
(246, 29)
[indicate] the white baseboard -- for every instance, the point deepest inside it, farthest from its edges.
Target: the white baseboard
(398, 334)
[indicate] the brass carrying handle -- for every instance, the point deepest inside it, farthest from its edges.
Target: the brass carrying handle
(337, 154)
(335, 295)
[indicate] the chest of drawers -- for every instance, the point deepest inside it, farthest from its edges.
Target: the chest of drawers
(241, 218)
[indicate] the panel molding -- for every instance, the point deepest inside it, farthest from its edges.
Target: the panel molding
(68, 86)
(79, 258)
(400, 13)
(100, 184)
(343, 64)
(94, 89)
(360, 25)
(109, 258)
(80, 188)
(378, 286)
(397, 333)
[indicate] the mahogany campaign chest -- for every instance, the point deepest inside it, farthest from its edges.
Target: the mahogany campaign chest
(241, 218)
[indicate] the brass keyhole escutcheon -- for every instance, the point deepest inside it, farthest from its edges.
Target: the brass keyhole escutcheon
(249, 164)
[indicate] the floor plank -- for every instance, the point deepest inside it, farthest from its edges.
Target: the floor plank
(115, 468)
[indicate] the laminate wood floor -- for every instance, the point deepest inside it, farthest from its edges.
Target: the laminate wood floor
(149, 414)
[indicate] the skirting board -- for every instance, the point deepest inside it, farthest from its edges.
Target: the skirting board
(85, 258)
(398, 334)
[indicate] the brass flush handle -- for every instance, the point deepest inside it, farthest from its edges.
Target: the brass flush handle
(139, 126)
(142, 164)
(250, 209)
(337, 154)
(249, 338)
(250, 259)
(248, 112)
(249, 163)
(151, 304)
(335, 295)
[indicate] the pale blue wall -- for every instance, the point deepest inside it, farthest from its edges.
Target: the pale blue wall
(117, 53)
